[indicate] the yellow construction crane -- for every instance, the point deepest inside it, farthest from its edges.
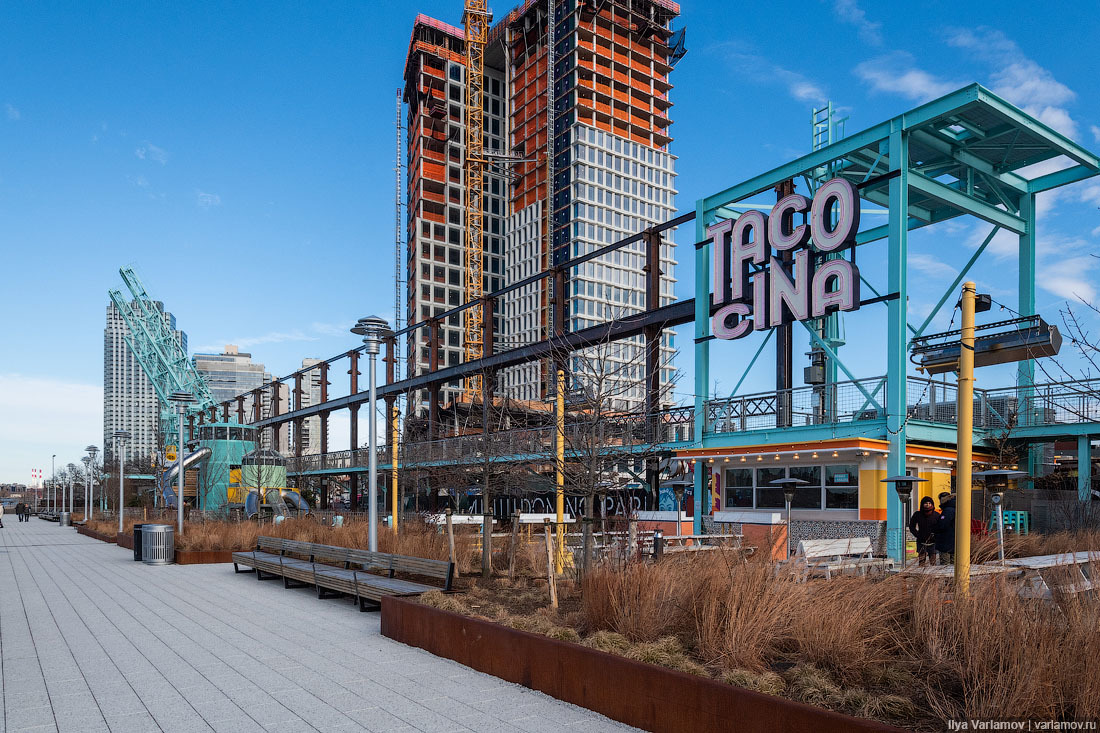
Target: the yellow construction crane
(475, 20)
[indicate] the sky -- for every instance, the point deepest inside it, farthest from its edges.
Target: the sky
(240, 157)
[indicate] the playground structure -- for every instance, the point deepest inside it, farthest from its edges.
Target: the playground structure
(229, 471)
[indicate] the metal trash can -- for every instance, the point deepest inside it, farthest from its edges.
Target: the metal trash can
(137, 542)
(158, 544)
(65, 519)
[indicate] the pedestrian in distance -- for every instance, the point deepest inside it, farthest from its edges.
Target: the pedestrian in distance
(1, 516)
(923, 525)
(19, 512)
(945, 529)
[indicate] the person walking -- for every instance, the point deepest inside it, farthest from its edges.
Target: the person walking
(1, 516)
(923, 525)
(945, 529)
(19, 512)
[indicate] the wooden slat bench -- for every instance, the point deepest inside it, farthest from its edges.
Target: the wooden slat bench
(831, 556)
(341, 570)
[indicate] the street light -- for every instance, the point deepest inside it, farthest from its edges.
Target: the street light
(788, 485)
(373, 329)
(181, 400)
(996, 481)
(904, 486)
(121, 436)
(53, 483)
(72, 491)
(89, 507)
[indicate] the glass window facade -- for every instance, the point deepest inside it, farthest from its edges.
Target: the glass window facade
(827, 487)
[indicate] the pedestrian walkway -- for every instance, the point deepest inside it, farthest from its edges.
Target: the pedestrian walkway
(92, 641)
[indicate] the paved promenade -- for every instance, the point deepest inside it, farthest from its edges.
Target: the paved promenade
(92, 641)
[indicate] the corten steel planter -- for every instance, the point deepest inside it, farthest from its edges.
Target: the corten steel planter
(125, 540)
(96, 535)
(203, 557)
(642, 695)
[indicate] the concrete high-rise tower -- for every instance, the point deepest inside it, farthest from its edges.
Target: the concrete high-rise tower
(613, 176)
(129, 400)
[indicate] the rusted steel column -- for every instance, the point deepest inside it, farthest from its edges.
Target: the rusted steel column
(225, 411)
(276, 444)
(257, 400)
(652, 269)
(240, 409)
(784, 334)
(324, 381)
(353, 370)
(190, 430)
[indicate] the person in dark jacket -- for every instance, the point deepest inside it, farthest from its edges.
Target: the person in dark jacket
(19, 509)
(923, 526)
(945, 529)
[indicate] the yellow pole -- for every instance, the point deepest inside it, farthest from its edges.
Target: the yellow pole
(559, 477)
(393, 468)
(965, 440)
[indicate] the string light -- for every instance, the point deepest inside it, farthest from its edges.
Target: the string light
(742, 459)
(835, 454)
(814, 455)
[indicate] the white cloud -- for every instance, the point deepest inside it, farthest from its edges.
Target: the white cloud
(139, 181)
(1090, 194)
(247, 342)
(207, 200)
(148, 151)
(931, 266)
(1095, 132)
(43, 417)
(895, 74)
(760, 70)
(1070, 278)
(849, 12)
(11, 112)
(1019, 79)
(1096, 232)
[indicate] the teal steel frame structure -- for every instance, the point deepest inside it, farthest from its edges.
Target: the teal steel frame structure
(966, 153)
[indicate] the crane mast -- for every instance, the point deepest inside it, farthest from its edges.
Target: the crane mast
(158, 351)
(475, 20)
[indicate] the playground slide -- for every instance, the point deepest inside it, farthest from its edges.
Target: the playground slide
(295, 499)
(168, 480)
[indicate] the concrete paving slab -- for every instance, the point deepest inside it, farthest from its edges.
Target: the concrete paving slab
(92, 641)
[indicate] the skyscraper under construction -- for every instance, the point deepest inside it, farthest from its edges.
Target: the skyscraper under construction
(611, 176)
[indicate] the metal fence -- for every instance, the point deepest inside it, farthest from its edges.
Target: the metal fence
(926, 399)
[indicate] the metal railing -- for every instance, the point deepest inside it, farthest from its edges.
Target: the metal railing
(926, 399)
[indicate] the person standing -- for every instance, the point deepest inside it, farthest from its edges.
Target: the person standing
(945, 529)
(923, 525)
(1, 516)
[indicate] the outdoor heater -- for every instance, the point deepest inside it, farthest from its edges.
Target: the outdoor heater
(788, 485)
(996, 481)
(904, 486)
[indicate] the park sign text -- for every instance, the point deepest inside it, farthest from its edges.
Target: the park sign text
(777, 295)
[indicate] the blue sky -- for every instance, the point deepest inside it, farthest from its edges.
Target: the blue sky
(240, 157)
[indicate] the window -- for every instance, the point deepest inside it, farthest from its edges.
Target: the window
(739, 487)
(808, 496)
(767, 496)
(842, 486)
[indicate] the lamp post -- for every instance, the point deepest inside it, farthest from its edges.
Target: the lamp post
(89, 506)
(53, 483)
(996, 481)
(121, 436)
(904, 486)
(788, 485)
(181, 400)
(373, 329)
(72, 492)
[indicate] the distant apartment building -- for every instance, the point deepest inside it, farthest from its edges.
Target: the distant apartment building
(129, 401)
(613, 176)
(311, 395)
(232, 373)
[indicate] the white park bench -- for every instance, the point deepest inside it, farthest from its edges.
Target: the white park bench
(834, 556)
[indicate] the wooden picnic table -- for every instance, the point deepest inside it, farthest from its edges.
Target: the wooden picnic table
(948, 571)
(1063, 572)
(1040, 562)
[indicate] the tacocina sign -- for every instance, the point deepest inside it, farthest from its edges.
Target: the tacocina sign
(772, 295)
